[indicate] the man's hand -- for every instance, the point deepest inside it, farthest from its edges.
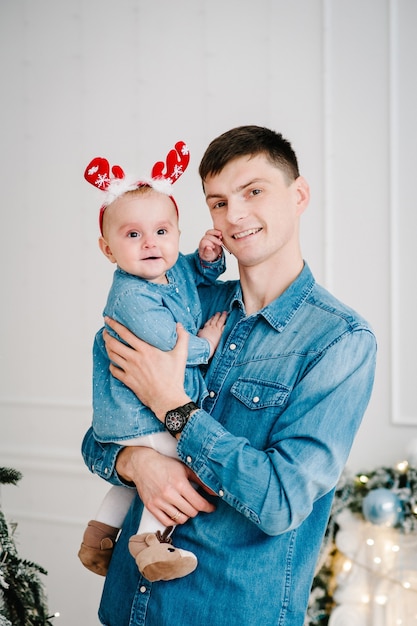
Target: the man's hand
(156, 377)
(163, 484)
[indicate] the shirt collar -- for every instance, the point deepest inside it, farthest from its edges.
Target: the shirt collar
(280, 311)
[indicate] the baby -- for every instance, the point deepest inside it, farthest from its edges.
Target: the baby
(154, 287)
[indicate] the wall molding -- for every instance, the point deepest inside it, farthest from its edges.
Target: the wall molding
(45, 403)
(46, 469)
(17, 516)
(57, 460)
(327, 89)
(393, 131)
(401, 378)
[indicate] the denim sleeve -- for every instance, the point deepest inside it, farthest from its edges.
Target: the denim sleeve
(307, 449)
(101, 458)
(205, 272)
(146, 317)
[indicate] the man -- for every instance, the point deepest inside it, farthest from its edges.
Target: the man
(288, 387)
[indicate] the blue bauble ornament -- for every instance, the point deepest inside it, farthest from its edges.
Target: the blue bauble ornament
(382, 507)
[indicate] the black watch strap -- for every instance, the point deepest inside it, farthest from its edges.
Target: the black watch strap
(176, 419)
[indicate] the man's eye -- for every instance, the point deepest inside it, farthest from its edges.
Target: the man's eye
(255, 192)
(219, 205)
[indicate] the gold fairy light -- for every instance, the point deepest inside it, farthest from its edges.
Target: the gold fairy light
(402, 467)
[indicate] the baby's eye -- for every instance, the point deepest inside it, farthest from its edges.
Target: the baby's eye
(161, 231)
(133, 233)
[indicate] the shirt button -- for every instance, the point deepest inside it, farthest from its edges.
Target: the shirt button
(232, 346)
(221, 493)
(189, 459)
(142, 589)
(256, 399)
(177, 290)
(212, 394)
(105, 470)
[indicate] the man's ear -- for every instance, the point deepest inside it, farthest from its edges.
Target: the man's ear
(303, 194)
(105, 248)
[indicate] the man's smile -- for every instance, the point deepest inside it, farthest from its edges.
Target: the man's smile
(246, 233)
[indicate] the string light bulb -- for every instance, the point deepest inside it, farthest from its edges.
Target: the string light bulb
(402, 467)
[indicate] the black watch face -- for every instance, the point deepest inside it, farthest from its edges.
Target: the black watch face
(174, 421)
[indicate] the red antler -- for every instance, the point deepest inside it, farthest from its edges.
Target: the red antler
(97, 173)
(176, 163)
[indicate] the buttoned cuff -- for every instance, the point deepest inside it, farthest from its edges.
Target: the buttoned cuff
(101, 459)
(198, 438)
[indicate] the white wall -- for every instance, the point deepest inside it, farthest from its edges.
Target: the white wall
(126, 80)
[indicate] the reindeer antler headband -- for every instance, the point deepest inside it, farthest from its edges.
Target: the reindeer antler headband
(114, 183)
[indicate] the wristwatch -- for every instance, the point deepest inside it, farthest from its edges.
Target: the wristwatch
(176, 419)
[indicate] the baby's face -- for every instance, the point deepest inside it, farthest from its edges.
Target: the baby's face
(141, 234)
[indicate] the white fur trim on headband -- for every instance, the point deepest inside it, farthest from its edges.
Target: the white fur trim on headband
(163, 185)
(118, 186)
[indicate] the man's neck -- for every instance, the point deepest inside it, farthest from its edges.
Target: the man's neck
(261, 285)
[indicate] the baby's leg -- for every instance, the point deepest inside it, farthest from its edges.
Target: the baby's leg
(101, 533)
(151, 547)
(115, 505)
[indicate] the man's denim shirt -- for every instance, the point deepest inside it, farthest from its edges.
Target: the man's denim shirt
(288, 387)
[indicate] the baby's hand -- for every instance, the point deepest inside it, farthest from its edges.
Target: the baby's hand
(212, 330)
(210, 247)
